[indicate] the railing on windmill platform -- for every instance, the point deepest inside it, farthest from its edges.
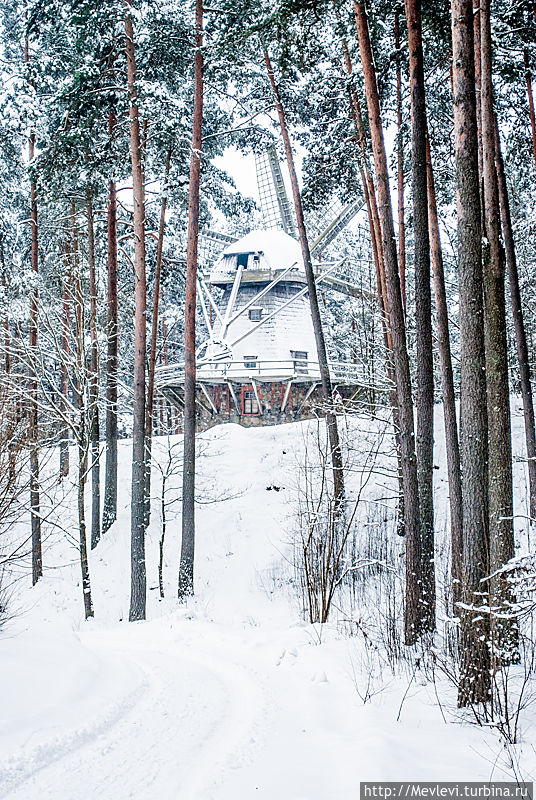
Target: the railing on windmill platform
(269, 371)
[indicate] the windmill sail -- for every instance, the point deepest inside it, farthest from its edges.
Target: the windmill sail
(211, 243)
(275, 205)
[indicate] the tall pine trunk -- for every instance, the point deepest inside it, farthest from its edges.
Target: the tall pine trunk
(474, 679)
(82, 427)
(400, 166)
(149, 411)
(37, 554)
(413, 622)
(447, 382)
(325, 378)
(519, 325)
(530, 98)
(33, 419)
(186, 567)
(478, 91)
(423, 311)
(138, 582)
(93, 379)
(64, 365)
(109, 514)
(500, 490)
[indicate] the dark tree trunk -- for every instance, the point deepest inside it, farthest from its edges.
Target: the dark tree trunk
(33, 420)
(500, 490)
(162, 538)
(37, 555)
(423, 311)
(400, 167)
(82, 434)
(414, 606)
(64, 366)
(186, 567)
(475, 678)
(137, 517)
(84, 563)
(325, 378)
(152, 352)
(109, 514)
(447, 381)
(478, 90)
(93, 380)
(519, 325)
(530, 99)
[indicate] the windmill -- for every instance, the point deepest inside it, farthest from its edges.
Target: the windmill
(258, 364)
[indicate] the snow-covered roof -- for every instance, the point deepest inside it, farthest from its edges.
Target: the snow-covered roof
(278, 248)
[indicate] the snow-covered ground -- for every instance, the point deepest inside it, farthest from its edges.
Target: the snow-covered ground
(232, 695)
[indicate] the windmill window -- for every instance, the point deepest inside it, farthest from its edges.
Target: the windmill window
(242, 260)
(249, 403)
(250, 362)
(300, 361)
(255, 314)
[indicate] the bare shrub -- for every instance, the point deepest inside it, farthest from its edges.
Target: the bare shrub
(323, 560)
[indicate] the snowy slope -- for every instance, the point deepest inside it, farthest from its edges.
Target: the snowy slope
(231, 695)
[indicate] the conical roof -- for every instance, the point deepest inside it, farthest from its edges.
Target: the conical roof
(278, 248)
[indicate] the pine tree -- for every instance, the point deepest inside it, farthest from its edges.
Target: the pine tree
(475, 678)
(138, 570)
(186, 567)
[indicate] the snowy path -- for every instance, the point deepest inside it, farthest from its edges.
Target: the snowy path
(223, 714)
(192, 714)
(231, 697)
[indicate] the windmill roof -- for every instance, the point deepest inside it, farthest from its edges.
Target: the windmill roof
(279, 249)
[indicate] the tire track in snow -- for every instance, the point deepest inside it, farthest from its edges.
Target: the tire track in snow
(191, 723)
(21, 767)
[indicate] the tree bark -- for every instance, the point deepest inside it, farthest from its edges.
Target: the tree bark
(35, 515)
(138, 584)
(186, 567)
(152, 352)
(37, 554)
(423, 311)
(530, 98)
(478, 90)
(413, 622)
(82, 428)
(64, 364)
(475, 679)
(325, 378)
(500, 490)
(400, 166)
(109, 514)
(519, 325)
(447, 381)
(93, 379)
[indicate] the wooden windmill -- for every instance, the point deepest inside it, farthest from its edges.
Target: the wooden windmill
(258, 364)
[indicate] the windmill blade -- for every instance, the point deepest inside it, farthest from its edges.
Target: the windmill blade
(343, 216)
(211, 243)
(275, 206)
(345, 279)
